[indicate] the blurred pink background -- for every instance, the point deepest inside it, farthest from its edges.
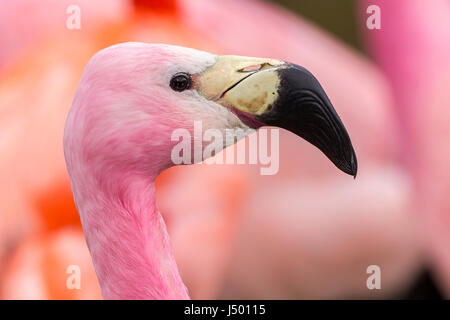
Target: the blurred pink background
(308, 231)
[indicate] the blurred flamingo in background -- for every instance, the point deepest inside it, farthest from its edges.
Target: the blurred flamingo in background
(412, 49)
(38, 269)
(44, 19)
(222, 210)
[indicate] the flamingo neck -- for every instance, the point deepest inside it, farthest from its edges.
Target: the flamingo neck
(128, 241)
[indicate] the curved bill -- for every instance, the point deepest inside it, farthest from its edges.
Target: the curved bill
(276, 93)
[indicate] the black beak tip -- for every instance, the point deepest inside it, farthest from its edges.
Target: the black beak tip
(303, 108)
(350, 166)
(354, 165)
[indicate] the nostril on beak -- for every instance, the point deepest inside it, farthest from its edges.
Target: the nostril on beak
(251, 68)
(256, 67)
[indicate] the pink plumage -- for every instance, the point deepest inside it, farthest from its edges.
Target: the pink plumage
(116, 143)
(117, 139)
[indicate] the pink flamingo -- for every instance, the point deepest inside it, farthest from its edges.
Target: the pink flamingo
(117, 139)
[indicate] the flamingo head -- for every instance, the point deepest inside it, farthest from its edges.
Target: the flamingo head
(133, 96)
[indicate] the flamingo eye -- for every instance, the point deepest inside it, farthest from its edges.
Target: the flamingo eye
(180, 82)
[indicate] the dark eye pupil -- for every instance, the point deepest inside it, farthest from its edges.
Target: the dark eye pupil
(180, 82)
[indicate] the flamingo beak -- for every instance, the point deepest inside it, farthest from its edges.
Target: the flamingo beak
(281, 94)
